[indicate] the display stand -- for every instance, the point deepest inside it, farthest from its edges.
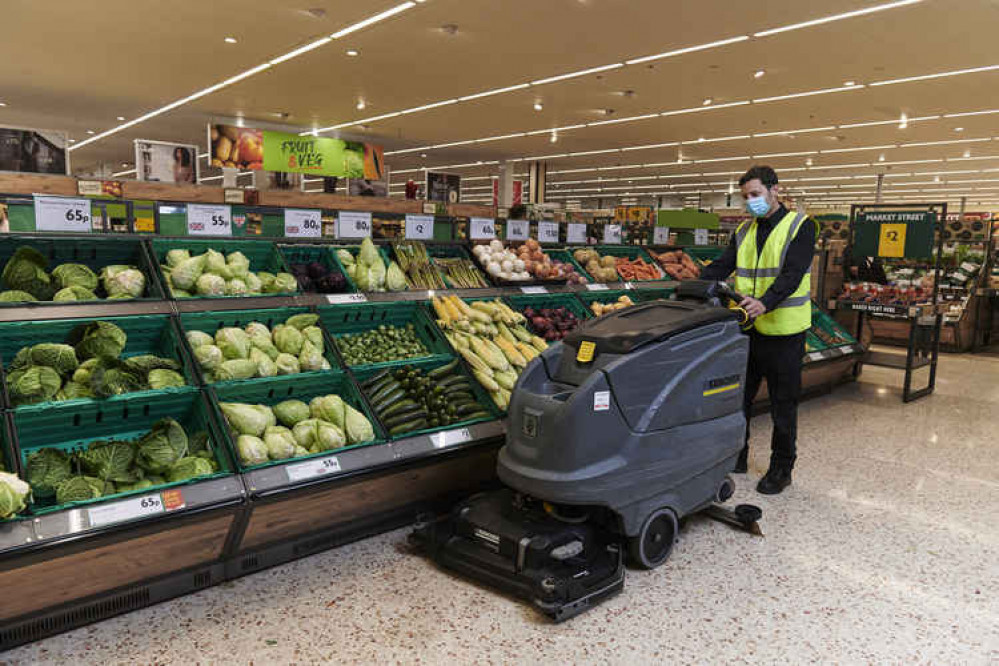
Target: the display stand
(901, 230)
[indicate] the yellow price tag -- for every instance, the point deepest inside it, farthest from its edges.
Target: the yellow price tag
(891, 242)
(585, 353)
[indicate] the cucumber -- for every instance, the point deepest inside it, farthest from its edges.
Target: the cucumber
(404, 418)
(408, 426)
(450, 381)
(384, 391)
(378, 386)
(398, 408)
(468, 408)
(444, 370)
(387, 401)
(476, 415)
(461, 398)
(376, 378)
(457, 388)
(404, 410)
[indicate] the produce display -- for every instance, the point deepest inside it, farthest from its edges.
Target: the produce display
(623, 301)
(381, 344)
(460, 273)
(369, 271)
(601, 269)
(292, 428)
(552, 324)
(256, 351)
(415, 263)
(166, 454)
(215, 274)
(526, 263)
(830, 338)
(317, 278)
(677, 264)
(492, 338)
(408, 398)
(26, 278)
(88, 365)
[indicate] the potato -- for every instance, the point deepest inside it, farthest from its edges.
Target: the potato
(608, 261)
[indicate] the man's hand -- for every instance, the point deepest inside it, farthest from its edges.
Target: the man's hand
(753, 307)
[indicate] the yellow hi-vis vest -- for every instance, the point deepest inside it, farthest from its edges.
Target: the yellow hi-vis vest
(755, 271)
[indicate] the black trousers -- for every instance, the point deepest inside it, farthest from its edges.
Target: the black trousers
(777, 358)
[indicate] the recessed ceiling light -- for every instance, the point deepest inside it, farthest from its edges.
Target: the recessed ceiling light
(230, 40)
(90, 131)
(759, 73)
(353, 52)
(538, 106)
(881, 157)
(554, 137)
(849, 83)
(707, 102)
(124, 164)
(967, 153)
(71, 140)
(423, 154)
(361, 105)
(958, 129)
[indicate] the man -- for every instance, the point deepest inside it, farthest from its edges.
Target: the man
(772, 260)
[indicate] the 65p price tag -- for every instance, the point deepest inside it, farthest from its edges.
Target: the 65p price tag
(353, 225)
(517, 230)
(301, 223)
(482, 228)
(547, 232)
(209, 220)
(419, 227)
(130, 509)
(62, 214)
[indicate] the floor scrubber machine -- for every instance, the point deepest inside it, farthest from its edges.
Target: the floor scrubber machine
(632, 423)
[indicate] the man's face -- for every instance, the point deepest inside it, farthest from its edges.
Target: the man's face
(755, 188)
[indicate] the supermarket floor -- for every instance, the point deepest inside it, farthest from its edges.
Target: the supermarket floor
(885, 549)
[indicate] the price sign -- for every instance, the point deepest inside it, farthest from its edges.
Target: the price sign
(660, 236)
(130, 509)
(891, 240)
(300, 223)
(517, 230)
(419, 227)
(353, 225)
(547, 232)
(451, 437)
(310, 469)
(814, 356)
(612, 234)
(346, 298)
(482, 228)
(209, 220)
(700, 236)
(534, 290)
(596, 287)
(62, 214)
(575, 233)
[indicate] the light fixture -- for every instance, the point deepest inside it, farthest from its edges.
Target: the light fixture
(423, 154)
(849, 83)
(939, 75)
(967, 152)
(706, 102)
(958, 129)
(361, 104)
(881, 157)
(809, 162)
(903, 121)
(124, 164)
(372, 20)
(572, 75)
(808, 93)
(120, 118)
(688, 49)
(230, 40)
(538, 106)
(554, 137)
(835, 17)
(353, 53)
(759, 73)
(90, 131)
(71, 140)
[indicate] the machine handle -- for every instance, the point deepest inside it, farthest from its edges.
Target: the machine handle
(723, 291)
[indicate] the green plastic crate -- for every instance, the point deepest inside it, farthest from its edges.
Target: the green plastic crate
(430, 364)
(305, 254)
(813, 343)
(631, 252)
(210, 322)
(537, 301)
(825, 323)
(151, 334)
(263, 256)
(95, 252)
(342, 319)
(565, 256)
(73, 427)
(292, 388)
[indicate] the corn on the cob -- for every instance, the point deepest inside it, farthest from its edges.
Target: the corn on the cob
(487, 381)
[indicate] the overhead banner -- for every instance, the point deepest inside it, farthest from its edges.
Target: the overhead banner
(166, 162)
(253, 149)
(33, 151)
(444, 187)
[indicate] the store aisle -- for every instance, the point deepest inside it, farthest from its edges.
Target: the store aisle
(885, 549)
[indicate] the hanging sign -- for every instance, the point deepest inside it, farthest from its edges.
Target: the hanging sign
(894, 233)
(353, 225)
(700, 236)
(482, 228)
(547, 232)
(517, 230)
(575, 233)
(62, 214)
(301, 223)
(612, 234)
(209, 220)
(660, 236)
(419, 227)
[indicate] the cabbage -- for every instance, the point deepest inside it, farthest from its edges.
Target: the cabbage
(345, 257)
(300, 451)
(262, 341)
(266, 281)
(13, 492)
(314, 335)
(357, 427)
(252, 450)
(284, 283)
(253, 284)
(280, 442)
(395, 279)
(74, 294)
(369, 253)
(245, 419)
(302, 321)
(328, 437)
(61, 358)
(15, 296)
(45, 469)
(311, 359)
(255, 328)
(112, 377)
(26, 272)
(177, 257)
(185, 274)
(74, 275)
(198, 338)
(214, 262)
(209, 357)
(288, 339)
(188, 468)
(234, 342)
(210, 285)
(238, 263)
(265, 366)
(35, 384)
(290, 412)
(328, 408)
(236, 369)
(123, 282)
(144, 363)
(287, 364)
(80, 489)
(109, 461)
(75, 390)
(141, 484)
(161, 378)
(235, 287)
(180, 293)
(98, 339)
(162, 446)
(305, 433)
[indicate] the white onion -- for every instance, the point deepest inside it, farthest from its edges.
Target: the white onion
(493, 268)
(496, 246)
(518, 265)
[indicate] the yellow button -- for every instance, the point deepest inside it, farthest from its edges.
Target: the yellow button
(585, 353)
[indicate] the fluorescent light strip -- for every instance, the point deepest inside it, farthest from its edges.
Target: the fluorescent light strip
(718, 139)
(927, 77)
(554, 129)
(857, 149)
(122, 173)
(971, 113)
(835, 17)
(804, 152)
(688, 49)
(809, 93)
(623, 120)
(500, 138)
(698, 109)
(496, 91)
(299, 51)
(943, 143)
(372, 20)
(582, 72)
(651, 145)
(797, 131)
(425, 107)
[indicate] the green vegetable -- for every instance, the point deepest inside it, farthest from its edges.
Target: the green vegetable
(214, 262)
(109, 461)
(141, 484)
(290, 412)
(235, 287)
(234, 343)
(253, 283)
(97, 339)
(74, 293)
(251, 450)
(189, 468)
(199, 338)
(302, 321)
(35, 384)
(246, 419)
(329, 408)
(176, 257)
(13, 492)
(186, 273)
(255, 328)
(79, 489)
(210, 284)
(357, 427)
(61, 358)
(311, 359)
(74, 275)
(283, 283)
(26, 272)
(265, 366)
(288, 339)
(236, 369)
(144, 363)
(45, 469)
(280, 442)
(113, 377)
(161, 378)
(15, 295)
(314, 335)
(328, 438)
(345, 257)
(73, 390)
(395, 279)
(123, 281)
(266, 281)
(162, 446)
(209, 357)
(287, 364)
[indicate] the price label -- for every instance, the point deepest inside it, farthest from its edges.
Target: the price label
(534, 290)
(612, 234)
(130, 509)
(628, 285)
(814, 356)
(353, 225)
(891, 240)
(660, 236)
(300, 223)
(346, 298)
(547, 232)
(451, 437)
(419, 227)
(310, 469)
(596, 287)
(517, 230)
(575, 232)
(62, 214)
(700, 236)
(209, 220)
(482, 228)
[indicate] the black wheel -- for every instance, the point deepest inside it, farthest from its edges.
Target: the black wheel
(655, 541)
(725, 490)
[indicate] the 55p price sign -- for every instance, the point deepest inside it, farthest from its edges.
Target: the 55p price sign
(301, 223)
(209, 220)
(62, 214)
(351, 224)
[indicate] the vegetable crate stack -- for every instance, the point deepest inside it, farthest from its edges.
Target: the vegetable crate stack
(194, 269)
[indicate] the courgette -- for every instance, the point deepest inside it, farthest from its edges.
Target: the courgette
(444, 370)
(404, 418)
(398, 408)
(408, 427)
(387, 401)
(385, 390)
(371, 381)
(481, 414)
(379, 385)
(457, 388)
(461, 398)
(452, 380)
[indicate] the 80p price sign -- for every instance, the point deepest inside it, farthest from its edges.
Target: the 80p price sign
(352, 224)
(209, 220)
(300, 223)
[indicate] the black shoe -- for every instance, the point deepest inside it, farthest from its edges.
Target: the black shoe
(776, 480)
(742, 464)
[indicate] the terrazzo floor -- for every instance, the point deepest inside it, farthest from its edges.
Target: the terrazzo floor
(885, 550)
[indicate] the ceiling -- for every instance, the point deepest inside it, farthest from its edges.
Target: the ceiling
(131, 58)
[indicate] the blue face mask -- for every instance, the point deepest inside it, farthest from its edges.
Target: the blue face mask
(758, 206)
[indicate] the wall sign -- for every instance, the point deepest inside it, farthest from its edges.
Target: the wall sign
(660, 236)
(302, 223)
(517, 230)
(62, 214)
(209, 220)
(894, 233)
(482, 228)
(419, 227)
(352, 224)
